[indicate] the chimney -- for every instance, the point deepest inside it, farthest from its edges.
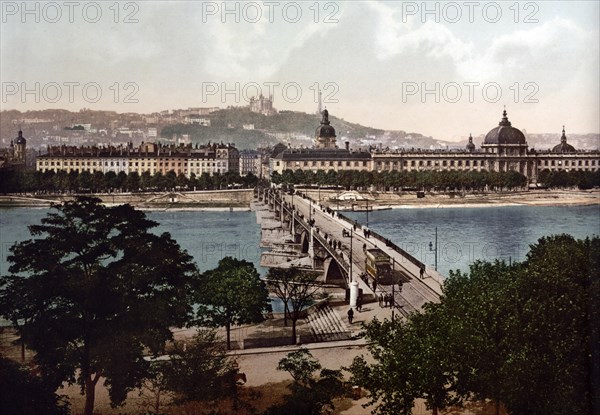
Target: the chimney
(347, 145)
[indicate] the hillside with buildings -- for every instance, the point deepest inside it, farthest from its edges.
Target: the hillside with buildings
(242, 126)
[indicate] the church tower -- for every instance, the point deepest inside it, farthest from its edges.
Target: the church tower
(20, 148)
(325, 134)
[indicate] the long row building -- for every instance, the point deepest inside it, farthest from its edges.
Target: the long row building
(504, 149)
(148, 157)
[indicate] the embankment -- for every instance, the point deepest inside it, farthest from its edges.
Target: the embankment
(211, 199)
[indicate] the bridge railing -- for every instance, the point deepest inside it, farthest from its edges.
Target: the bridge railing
(387, 242)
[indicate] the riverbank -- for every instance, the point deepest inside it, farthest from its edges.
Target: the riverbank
(409, 200)
(210, 200)
(239, 199)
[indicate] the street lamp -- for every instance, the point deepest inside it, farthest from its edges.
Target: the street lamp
(431, 248)
(353, 284)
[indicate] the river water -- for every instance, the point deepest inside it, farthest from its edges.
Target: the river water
(464, 234)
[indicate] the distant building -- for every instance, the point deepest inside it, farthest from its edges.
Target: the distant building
(147, 157)
(504, 149)
(262, 105)
(251, 162)
(15, 156)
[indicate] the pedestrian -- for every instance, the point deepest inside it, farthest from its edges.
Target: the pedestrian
(380, 300)
(350, 315)
(359, 304)
(391, 301)
(374, 285)
(421, 271)
(385, 300)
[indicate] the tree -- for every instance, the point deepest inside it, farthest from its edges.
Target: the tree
(102, 291)
(295, 288)
(522, 335)
(22, 393)
(232, 294)
(198, 370)
(310, 395)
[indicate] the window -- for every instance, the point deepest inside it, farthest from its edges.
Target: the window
(452, 162)
(468, 163)
(459, 162)
(429, 162)
(420, 162)
(412, 163)
(444, 163)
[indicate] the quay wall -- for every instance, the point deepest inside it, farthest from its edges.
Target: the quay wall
(237, 198)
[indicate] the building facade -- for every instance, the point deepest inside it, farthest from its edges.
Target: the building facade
(504, 149)
(147, 157)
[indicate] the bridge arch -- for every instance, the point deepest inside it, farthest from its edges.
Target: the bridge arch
(304, 241)
(333, 272)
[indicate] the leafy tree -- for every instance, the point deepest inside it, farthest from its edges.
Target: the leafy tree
(522, 335)
(196, 371)
(232, 294)
(22, 393)
(310, 395)
(101, 291)
(295, 288)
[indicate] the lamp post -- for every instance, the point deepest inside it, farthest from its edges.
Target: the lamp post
(367, 213)
(353, 284)
(435, 250)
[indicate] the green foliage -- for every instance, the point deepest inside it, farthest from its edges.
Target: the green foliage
(231, 294)
(301, 365)
(522, 335)
(310, 395)
(97, 292)
(22, 393)
(563, 179)
(387, 180)
(200, 371)
(12, 181)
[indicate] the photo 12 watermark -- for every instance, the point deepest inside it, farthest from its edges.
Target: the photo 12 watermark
(212, 252)
(270, 11)
(464, 252)
(69, 11)
(69, 92)
(454, 92)
(470, 11)
(290, 92)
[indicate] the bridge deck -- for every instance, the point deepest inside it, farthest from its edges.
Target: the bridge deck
(415, 291)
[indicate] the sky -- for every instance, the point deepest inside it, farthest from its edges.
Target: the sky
(444, 69)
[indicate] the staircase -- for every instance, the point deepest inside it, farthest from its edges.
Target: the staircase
(326, 325)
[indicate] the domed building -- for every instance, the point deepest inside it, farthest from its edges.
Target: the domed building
(563, 147)
(505, 140)
(325, 133)
(14, 156)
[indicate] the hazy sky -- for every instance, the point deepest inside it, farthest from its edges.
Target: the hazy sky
(374, 58)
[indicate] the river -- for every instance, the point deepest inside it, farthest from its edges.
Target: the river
(464, 234)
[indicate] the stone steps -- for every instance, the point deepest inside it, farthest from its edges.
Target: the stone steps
(326, 325)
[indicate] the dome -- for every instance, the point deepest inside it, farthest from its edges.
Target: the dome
(563, 147)
(20, 139)
(505, 134)
(325, 129)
